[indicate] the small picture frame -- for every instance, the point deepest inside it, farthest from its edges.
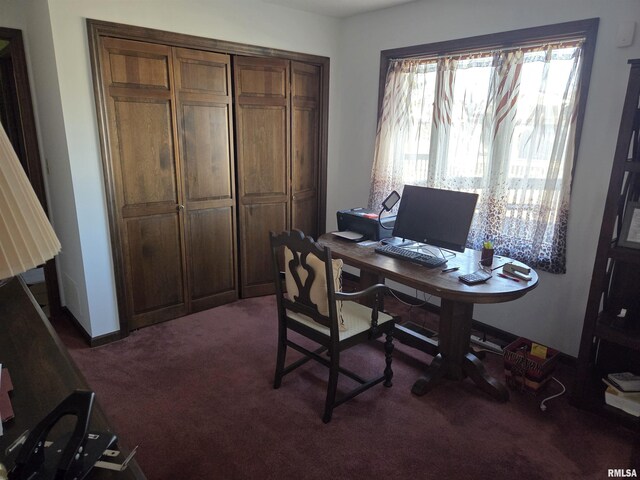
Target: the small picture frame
(630, 234)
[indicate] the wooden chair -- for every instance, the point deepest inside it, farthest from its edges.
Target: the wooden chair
(317, 309)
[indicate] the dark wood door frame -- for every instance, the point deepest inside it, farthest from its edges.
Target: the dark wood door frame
(27, 140)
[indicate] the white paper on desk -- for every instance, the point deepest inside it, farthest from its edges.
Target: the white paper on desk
(349, 235)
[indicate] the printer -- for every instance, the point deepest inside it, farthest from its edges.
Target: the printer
(365, 222)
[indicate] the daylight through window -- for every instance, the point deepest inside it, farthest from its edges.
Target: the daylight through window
(501, 123)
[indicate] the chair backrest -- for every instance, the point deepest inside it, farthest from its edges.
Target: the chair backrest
(311, 277)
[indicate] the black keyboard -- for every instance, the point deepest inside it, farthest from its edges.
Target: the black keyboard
(423, 259)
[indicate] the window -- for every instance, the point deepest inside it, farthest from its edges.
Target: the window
(498, 115)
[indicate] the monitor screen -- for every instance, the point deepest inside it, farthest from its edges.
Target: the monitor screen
(441, 218)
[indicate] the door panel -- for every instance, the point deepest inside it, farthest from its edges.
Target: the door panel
(202, 83)
(305, 147)
(206, 158)
(144, 182)
(262, 139)
(153, 246)
(261, 80)
(257, 220)
(264, 149)
(212, 272)
(146, 151)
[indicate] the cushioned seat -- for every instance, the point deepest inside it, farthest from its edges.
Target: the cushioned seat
(356, 318)
(319, 310)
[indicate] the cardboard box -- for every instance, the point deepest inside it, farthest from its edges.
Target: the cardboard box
(525, 370)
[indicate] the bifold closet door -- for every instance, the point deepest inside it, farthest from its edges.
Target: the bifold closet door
(205, 126)
(144, 181)
(171, 180)
(262, 151)
(305, 146)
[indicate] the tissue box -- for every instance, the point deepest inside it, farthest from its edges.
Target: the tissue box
(522, 369)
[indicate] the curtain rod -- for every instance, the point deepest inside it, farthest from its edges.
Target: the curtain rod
(472, 53)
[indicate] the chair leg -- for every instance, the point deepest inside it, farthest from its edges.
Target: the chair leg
(388, 350)
(332, 387)
(280, 358)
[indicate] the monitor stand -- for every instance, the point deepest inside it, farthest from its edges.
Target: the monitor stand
(396, 241)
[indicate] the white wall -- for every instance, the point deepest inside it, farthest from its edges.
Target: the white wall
(552, 313)
(11, 15)
(69, 125)
(32, 17)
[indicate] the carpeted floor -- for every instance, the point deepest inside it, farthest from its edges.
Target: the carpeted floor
(196, 395)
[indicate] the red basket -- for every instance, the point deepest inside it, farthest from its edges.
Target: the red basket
(521, 369)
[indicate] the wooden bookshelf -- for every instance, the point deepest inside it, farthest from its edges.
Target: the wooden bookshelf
(611, 331)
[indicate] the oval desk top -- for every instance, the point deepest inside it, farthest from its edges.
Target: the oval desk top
(432, 280)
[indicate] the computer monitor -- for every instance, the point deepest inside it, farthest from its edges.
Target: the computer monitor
(441, 218)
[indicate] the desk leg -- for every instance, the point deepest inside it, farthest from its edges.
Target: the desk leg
(475, 369)
(454, 362)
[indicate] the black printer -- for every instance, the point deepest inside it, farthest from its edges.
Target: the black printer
(365, 222)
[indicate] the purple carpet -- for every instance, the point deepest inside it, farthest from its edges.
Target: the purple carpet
(196, 395)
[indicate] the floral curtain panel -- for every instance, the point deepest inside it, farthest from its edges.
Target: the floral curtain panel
(501, 124)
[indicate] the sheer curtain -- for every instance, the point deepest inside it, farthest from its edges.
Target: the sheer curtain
(501, 124)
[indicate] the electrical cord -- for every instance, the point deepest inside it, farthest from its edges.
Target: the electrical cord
(407, 303)
(543, 407)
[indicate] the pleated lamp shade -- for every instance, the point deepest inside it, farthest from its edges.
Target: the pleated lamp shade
(26, 236)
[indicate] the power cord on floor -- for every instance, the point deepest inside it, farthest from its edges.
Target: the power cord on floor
(543, 407)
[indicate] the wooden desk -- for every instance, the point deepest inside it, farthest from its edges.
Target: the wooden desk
(42, 372)
(453, 360)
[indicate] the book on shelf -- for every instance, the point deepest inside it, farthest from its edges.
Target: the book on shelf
(627, 402)
(625, 381)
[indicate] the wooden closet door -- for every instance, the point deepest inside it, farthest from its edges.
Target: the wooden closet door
(203, 97)
(143, 180)
(305, 147)
(262, 141)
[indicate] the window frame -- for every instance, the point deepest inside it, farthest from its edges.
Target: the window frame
(557, 32)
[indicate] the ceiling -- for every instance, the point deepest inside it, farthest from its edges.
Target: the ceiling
(337, 8)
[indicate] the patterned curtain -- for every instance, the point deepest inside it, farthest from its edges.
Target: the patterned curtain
(501, 124)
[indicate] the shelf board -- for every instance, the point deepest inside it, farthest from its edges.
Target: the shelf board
(625, 254)
(592, 399)
(621, 415)
(632, 165)
(606, 330)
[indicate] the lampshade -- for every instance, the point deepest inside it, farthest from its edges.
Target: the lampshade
(26, 236)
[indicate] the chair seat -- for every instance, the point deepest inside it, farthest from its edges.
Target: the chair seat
(357, 319)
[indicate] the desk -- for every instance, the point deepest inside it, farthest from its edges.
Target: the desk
(453, 360)
(42, 372)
